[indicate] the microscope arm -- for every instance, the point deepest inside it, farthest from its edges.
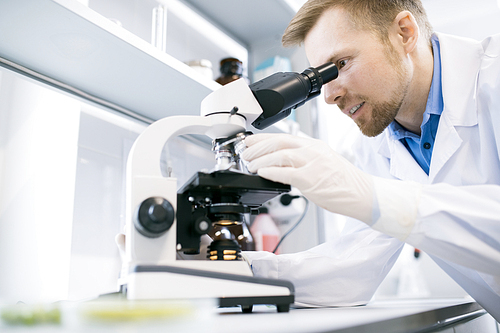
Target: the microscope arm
(145, 180)
(145, 154)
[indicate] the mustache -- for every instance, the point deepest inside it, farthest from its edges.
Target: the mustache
(347, 98)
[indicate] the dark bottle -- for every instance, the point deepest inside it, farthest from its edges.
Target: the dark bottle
(231, 69)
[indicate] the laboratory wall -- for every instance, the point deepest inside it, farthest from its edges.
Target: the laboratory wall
(38, 142)
(62, 190)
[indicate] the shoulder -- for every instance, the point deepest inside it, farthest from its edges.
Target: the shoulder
(490, 64)
(491, 45)
(488, 78)
(453, 46)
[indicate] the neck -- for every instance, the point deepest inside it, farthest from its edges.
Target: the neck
(412, 110)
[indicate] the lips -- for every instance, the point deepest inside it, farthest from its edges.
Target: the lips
(355, 108)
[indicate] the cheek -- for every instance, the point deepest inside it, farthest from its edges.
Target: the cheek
(362, 81)
(377, 82)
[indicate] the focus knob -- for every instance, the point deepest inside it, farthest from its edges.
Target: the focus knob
(155, 216)
(202, 225)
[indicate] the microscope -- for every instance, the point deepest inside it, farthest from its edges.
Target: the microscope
(164, 223)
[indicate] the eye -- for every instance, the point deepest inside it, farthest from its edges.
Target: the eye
(341, 63)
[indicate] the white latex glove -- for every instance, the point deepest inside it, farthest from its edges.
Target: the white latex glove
(333, 183)
(322, 175)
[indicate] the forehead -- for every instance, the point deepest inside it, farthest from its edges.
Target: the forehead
(333, 34)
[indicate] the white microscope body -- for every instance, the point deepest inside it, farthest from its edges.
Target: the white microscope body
(154, 272)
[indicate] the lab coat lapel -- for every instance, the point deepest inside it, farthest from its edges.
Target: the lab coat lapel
(446, 144)
(459, 89)
(402, 165)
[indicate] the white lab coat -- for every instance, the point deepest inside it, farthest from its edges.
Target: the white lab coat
(458, 219)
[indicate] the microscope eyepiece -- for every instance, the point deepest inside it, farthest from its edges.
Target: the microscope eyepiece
(320, 75)
(280, 93)
(328, 72)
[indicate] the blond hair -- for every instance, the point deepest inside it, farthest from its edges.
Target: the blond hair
(370, 15)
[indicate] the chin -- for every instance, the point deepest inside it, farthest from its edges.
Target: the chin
(370, 131)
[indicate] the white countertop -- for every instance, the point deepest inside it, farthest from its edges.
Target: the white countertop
(330, 319)
(204, 316)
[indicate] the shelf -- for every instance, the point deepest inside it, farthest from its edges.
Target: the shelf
(249, 21)
(68, 42)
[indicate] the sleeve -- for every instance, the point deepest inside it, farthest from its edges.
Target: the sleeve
(344, 272)
(460, 224)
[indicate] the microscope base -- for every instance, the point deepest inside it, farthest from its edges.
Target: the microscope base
(171, 282)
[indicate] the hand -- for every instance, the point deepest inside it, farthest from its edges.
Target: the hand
(321, 174)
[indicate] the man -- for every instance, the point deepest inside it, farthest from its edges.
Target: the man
(428, 164)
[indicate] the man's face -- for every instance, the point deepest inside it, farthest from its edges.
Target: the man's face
(372, 82)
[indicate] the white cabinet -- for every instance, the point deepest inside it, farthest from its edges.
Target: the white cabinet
(88, 54)
(69, 45)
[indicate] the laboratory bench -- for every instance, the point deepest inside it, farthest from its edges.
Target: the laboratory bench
(425, 315)
(376, 317)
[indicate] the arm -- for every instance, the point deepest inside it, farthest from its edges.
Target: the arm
(456, 223)
(460, 224)
(343, 272)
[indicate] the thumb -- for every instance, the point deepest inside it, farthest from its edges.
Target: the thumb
(277, 174)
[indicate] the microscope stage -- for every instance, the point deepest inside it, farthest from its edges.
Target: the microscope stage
(252, 190)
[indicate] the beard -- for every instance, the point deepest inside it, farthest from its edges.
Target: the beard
(381, 116)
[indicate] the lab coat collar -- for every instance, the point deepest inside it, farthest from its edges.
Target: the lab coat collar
(460, 63)
(402, 164)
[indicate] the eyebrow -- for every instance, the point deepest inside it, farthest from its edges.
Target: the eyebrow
(335, 57)
(342, 53)
(338, 54)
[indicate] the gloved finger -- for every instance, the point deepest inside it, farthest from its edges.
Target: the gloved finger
(277, 174)
(287, 140)
(255, 138)
(294, 158)
(268, 143)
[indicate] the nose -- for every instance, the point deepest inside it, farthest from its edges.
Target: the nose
(333, 92)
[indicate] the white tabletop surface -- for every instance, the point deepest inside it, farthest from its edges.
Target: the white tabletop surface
(204, 316)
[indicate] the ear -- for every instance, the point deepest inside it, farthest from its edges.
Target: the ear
(407, 30)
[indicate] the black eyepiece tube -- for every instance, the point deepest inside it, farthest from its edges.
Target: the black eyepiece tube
(328, 72)
(280, 93)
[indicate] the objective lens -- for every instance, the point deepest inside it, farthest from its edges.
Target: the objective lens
(227, 152)
(224, 249)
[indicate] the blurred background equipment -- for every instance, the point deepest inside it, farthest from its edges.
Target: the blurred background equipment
(231, 69)
(265, 232)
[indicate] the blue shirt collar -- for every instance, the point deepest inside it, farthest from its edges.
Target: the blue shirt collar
(435, 102)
